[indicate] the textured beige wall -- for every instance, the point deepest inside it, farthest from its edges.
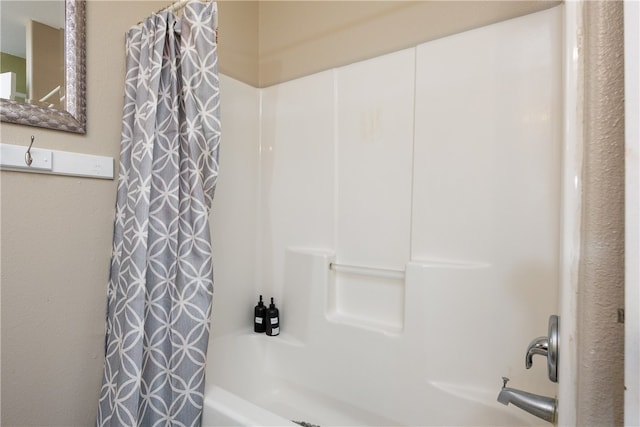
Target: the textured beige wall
(601, 284)
(238, 40)
(298, 38)
(55, 248)
(56, 236)
(275, 41)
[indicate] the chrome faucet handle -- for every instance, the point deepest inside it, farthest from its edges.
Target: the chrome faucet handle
(548, 347)
(539, 346)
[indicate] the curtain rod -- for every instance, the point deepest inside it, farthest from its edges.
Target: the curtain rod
(180, 4)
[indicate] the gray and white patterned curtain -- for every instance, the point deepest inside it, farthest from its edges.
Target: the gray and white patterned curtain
(161, 281)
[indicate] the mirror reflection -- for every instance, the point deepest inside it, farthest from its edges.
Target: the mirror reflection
(32, 52)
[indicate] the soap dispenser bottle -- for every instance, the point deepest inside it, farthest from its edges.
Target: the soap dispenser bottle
(273, 320)
(259, 317)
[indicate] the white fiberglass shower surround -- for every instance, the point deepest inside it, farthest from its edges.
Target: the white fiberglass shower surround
(414, 216)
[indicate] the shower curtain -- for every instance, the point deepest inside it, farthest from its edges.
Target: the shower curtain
(160, 287)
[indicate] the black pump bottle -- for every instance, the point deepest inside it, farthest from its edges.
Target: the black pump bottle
(259, 317)
(273, 320)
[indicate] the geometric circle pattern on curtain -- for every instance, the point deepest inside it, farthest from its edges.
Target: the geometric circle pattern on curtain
(161, 280)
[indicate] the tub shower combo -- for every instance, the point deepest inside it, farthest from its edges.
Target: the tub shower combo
(409, 210)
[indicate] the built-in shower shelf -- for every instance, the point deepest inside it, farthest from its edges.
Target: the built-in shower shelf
(386, 328)
(286, 339)
(283, 338)
(369, 298)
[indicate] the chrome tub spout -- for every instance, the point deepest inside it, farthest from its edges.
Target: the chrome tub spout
(540, 406)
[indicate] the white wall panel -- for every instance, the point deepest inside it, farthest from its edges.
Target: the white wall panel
(487, 190)
(374, 148)
(374, 151)
(234, 212)
(487, 155)
(296, 174)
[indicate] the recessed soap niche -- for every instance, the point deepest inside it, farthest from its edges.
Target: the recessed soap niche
(362, 298)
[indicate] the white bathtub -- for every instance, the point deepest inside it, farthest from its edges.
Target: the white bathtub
(222, 408)
(247, 386)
